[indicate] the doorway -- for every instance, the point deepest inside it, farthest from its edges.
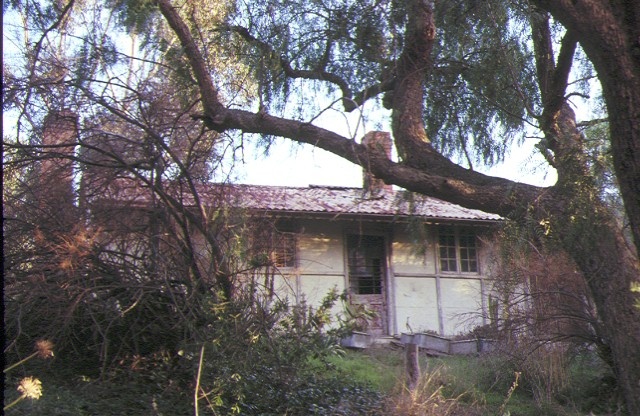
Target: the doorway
(367, 270)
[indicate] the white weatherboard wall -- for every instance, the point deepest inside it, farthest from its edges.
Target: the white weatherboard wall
(320, 264)
(410, 260)
(421, 298)
(427, 300)
(416, 304)
(461, 304)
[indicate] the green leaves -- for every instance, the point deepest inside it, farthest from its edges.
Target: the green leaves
(136, 16)
(482, 81)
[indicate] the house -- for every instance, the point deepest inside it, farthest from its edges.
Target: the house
(418, 262)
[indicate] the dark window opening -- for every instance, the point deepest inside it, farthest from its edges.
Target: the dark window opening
(366, 264)
(274, 245)
(283, 248)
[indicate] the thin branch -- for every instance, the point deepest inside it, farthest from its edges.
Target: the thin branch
(318, 74)
(38, 48)
(595, 121)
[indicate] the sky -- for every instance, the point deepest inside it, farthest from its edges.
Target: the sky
(304, 165)
(292, 164)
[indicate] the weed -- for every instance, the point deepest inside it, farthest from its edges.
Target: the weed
(30, 387)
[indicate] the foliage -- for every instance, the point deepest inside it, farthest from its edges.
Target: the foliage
(601, 166)
(279, 363)
(260, 358)
(481, 88)
(537, 290)
(476, 385)
(118, 307)
(102, 284)
(247, 58)
(542, 313)
(635, 287)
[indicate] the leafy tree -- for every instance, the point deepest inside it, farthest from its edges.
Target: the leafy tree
(102, 284)
(580, 222)
(456, 77)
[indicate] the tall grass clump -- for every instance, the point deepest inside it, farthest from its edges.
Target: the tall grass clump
(429, 397)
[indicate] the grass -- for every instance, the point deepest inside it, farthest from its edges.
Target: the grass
(379, 368)
(451, 386)
(479, 385)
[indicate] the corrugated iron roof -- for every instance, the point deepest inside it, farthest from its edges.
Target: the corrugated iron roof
(350, 201)
(333, 200)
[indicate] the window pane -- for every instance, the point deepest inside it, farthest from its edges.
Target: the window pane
(457, 251)
(366, 264)
(468, 253)
(447, 243)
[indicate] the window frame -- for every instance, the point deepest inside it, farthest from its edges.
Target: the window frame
(275, 244)
(458, 252)
(283, 250)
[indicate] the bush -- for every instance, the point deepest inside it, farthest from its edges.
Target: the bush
(261, 358)
(272, 359)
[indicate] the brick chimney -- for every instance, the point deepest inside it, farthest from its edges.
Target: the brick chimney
(58, 148)
(380, 141)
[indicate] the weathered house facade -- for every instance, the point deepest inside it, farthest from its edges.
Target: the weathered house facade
(419, 263)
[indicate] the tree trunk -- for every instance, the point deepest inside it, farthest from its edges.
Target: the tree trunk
(588, 233)
(609, 32)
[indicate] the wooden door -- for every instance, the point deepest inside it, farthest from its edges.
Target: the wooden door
(366, 261)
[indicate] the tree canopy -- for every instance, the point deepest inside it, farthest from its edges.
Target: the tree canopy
(458, 78)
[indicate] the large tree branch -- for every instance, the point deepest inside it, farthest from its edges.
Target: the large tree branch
(415, 62)
(542, 45)
(557, 120)
(374, 90)
(210, 101)
(609, 33)
(560, 77)
(552, 79)
(408, 96)
(450, 181)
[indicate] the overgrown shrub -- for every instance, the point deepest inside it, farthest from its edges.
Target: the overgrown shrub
(553, 378)
(270, 358)
(261, 357)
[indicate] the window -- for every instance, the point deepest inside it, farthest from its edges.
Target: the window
(283, 249)
(468, 252)
(457, 250)
(274, 245)
(366, 264)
